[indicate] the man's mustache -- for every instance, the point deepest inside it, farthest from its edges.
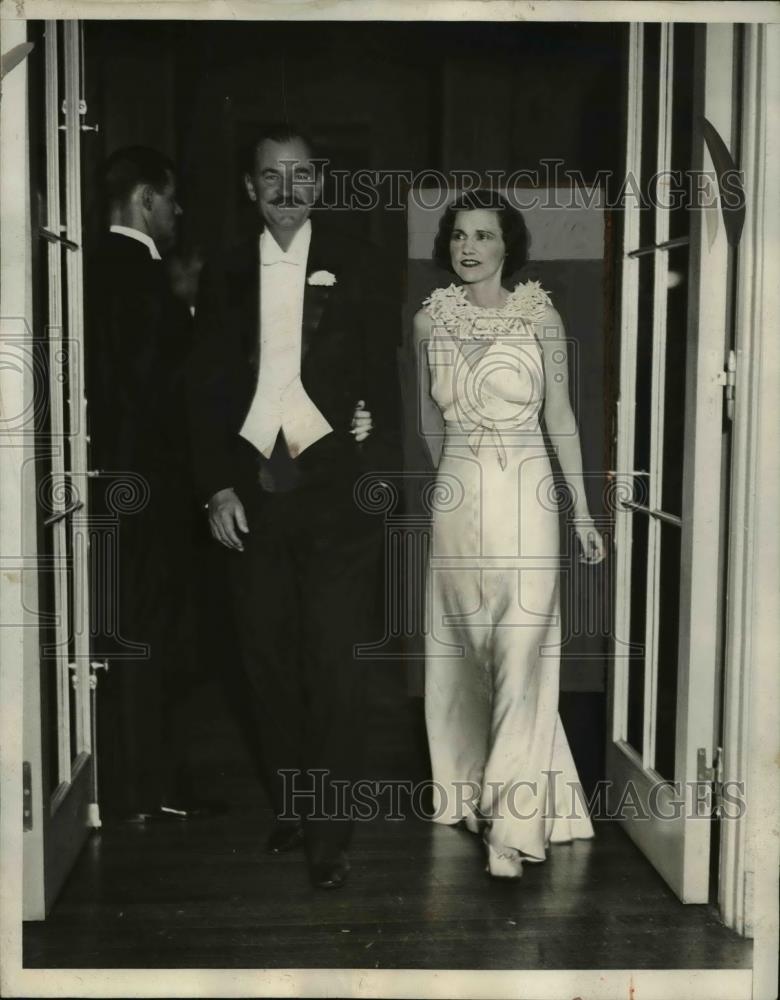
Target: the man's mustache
(282, 201)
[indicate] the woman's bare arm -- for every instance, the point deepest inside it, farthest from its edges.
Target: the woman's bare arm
(562, 429)
(431, 424)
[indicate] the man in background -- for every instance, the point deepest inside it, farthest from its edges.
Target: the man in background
(138, 337)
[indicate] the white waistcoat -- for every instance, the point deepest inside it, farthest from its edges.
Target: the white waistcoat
(280, 401)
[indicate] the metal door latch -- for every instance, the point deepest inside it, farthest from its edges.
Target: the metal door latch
(82, 111)
(707, 776)
(728, 379)
(96, 665)
(27, 805)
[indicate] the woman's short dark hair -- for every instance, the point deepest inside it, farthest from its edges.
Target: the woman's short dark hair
(513, 228)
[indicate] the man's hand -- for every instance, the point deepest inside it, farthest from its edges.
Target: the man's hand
(226, 518)
(362, 423)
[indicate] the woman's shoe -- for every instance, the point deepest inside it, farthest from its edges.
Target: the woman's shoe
(473, 823)
(503, 862)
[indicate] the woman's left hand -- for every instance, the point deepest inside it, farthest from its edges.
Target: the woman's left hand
(362, 423)
(591, 541)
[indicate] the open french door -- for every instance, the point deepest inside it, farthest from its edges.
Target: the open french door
(672, 438)
(59, 737)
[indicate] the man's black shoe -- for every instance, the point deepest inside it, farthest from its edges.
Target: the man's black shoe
(194, 809)
(284, 837)
(177, 813)
(330, 874)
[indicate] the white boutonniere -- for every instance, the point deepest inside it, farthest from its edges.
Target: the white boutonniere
(324, 279)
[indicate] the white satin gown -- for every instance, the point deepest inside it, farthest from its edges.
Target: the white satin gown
(497, 745)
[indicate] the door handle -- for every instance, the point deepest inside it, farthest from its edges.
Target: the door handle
(61, 514)
(51, 237)
(680, 241)
(659, 515)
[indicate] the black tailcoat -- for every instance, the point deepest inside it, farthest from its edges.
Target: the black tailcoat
(138, 337)
(302, 588)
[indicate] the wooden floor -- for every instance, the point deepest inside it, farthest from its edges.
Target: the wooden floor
(206, 895)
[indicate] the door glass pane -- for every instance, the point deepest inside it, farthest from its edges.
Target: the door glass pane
(73, 716)
(674, 408)
(644, 367)
(642, 413)
(650, 84)
(52, 656)
(668, 635)
(674, 381)
(70, 497)
(49, 723)
(636, 663)
(682, 128)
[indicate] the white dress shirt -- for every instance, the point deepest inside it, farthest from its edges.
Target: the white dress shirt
(136, 234)
(280, 401)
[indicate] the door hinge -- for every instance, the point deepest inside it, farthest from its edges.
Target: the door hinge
(709, 779)
(82, 106)
(27, 804)
(728, 379)
(82, 111)
(96, 665)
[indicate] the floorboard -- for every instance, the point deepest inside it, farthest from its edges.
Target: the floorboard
(205, 895)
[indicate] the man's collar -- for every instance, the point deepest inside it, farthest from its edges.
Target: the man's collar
(136, 234)
(296, 253)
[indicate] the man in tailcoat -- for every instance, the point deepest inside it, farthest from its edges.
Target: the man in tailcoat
(293, 399)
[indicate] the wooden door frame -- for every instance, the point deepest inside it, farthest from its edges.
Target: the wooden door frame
(19, 636)
(749, 845)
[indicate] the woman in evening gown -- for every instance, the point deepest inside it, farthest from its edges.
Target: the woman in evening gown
(492, 363)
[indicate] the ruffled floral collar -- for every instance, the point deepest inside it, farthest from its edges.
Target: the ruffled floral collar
(527, 303)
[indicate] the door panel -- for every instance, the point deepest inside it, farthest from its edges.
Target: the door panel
(62, 778)
(670, 436)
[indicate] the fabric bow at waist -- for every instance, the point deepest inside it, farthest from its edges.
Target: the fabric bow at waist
(486, 431)
(477, 436)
